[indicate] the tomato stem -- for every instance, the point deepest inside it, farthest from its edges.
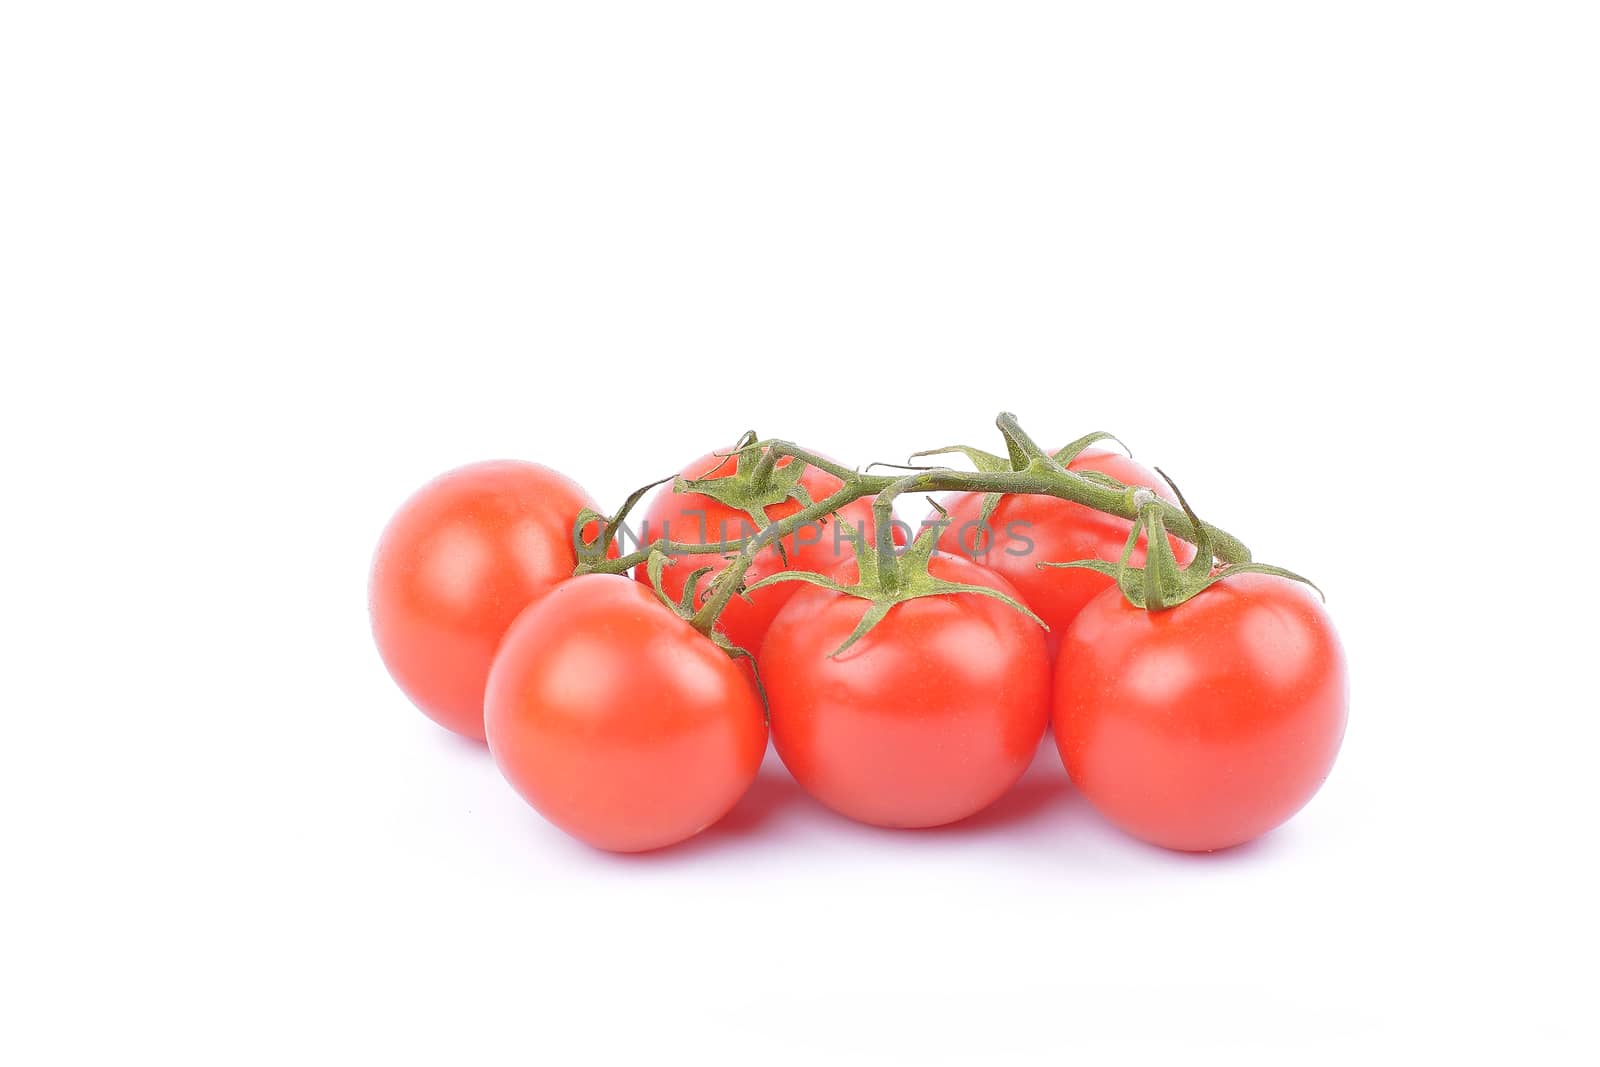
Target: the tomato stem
(730, 580)
(1161, 583)
(1034, 471)
(1024, 450)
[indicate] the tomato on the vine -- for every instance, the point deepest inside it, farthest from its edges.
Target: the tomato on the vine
(457, 563)
(1206, 724)
(617, 720)
(694, 518)
(927, 718)
(1025, 530)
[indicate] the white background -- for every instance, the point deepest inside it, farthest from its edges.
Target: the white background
(264, 268)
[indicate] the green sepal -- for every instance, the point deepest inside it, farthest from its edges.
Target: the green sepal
(1161, 583)
(589, 551)
(987, 462)
(686, 604)
(654, 564)
(592, 552)
(1018, 460)
(1071, 452)
(754, 485)
(684, 608)
(912, 581)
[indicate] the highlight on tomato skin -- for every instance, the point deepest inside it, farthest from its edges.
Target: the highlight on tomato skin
(1024, 531)
(617, 720)
(455, 565)
(927, 719)
(1205, 725)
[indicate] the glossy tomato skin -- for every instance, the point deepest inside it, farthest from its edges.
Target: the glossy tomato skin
(1029, 530)
(1206, 725)
(927, 719)
(617, 720)
(457, 563)
(693, 518)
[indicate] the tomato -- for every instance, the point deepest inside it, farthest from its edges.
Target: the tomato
(1207, 724)
(928, 718)
(1028, 530)
(693, 518)
(457, 563)
(617, 720)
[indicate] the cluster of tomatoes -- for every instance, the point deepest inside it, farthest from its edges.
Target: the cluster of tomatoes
(1196, 727)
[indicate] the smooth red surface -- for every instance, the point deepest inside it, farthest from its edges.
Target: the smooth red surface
(1206, 725)
(691, 518)
(457, 563)
(925, 720)
(617, 720)
(1028, 530)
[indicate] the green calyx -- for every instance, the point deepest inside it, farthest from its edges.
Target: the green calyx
(756, 483)
(683, 607)
(593, 559)
(1021, 454)
(1161, 583)
(911, 579)
(593, 551)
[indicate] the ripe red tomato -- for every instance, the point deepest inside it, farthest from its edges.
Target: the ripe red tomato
(928, 718)
(692, 518)
(1205, 725)
(617, 720)
(1028, 530)
(455, 565)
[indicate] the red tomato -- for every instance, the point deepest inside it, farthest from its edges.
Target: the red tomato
(692, 518)
(1029, 530)
(455, 565)
(617, 720)
(928, 718)
(1205, 725)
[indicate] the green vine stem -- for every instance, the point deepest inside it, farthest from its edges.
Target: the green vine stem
(1036, 472)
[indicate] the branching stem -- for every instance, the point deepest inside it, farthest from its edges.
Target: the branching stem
(1037, 474)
